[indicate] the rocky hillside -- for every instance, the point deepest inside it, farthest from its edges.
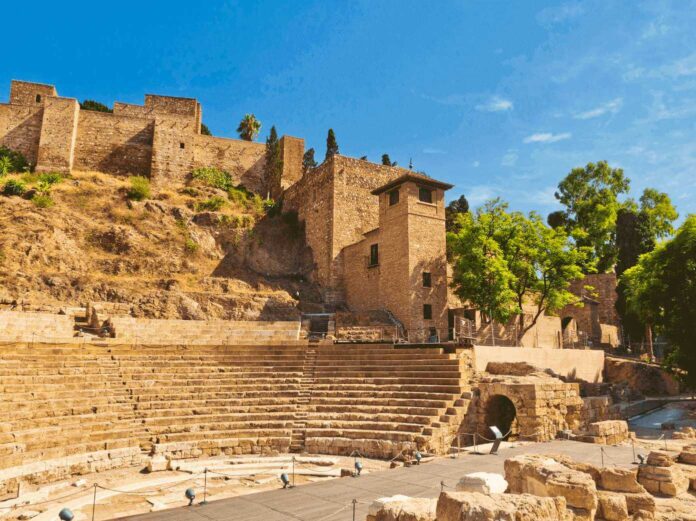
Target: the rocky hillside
(189, 252)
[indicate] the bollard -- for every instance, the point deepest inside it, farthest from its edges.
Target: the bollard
(205, 487)
(293, 472)
(601, 451)
(354, 503)
(94, 501)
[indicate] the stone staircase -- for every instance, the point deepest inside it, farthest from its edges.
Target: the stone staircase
(304, 396)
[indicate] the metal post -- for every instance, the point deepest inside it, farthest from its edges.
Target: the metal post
(633, 446)
(601, 451)
(459, 444)
(94, 501)
(293, 471)
(442, 486)
(475, 444)
(205, 486)
(354, 503)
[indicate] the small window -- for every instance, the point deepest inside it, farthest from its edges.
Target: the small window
(182, 146)
(427, 312)
(393, 197)
(427, 280)
(425, 195)
(38, 98)
(374, 255)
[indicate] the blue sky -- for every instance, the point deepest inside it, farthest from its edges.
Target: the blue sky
(498, 98)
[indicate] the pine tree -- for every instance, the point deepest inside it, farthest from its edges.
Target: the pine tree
(331, 145)
(274, 164)
(308, 161)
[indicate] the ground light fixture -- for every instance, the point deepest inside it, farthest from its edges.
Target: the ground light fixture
(418, 457)
(190, 495)
(285, 479)
(66, 515)
(358, 467)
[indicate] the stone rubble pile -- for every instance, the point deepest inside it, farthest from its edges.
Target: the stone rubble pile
(608, 432)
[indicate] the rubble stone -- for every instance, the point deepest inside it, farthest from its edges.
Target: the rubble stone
(612, 507)
(402, 508)
(483, 482)
(661, 476)
(472, 506)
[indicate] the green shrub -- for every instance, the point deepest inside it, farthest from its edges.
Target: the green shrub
(240, 196)
(189, 190)
(42, 200)
(14, 187)
(139, 189)
(89, 104)
(12, 161)
(50, 178)
(214, 177)
(191, 246)
(211, 205)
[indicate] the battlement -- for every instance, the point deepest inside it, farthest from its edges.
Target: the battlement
(160, 139)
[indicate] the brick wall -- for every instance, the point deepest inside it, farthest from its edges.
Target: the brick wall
(20, 129)
(58, 130)
(113, 143)
(30, 94)
(599, 306)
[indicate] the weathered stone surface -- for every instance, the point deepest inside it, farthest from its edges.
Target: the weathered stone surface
(403, 508)
(612, 506)
(662, 476)
(685, 433)
(483, 482)
(472, 506)
(660, 458)
(688, 455)
(641, 502)
(157, 463)
(543, 476)
(618, 479)
(28, 514)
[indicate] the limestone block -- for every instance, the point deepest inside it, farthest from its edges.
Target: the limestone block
(618, 479)
(483, 482)
(660, 458)
(157, 464)
(642, 502)
(612, 507)
(688, 455)
(668, 481)
(403, 508)
(472, 506)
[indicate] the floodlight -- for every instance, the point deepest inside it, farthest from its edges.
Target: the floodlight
(285, 479)
(190, 495)
(66, 515)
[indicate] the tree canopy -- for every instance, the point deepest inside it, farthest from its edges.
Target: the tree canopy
(249, 127)
(308, 161)
(386, 160)
(273, 168)
(453, 209)
(331, 144)
(661, 290)
(205, 130)
(89, 104)
(505, 260)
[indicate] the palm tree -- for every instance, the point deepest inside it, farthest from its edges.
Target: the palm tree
(249, 127)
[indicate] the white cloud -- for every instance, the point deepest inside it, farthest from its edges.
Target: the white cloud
(682, 68)
(476, 164)
(478, 195)
(611, 107)
(433, 151)
(510, 158)
(547, 137)
(495, 104)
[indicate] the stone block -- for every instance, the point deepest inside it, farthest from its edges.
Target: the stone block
(483, 482)
(403, 508)
(667, 481)
(473, 506)
(660, 458)
(611, 506)
(618, 479)
(157, 464)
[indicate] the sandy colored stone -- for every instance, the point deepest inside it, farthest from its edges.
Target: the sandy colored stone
(688, 455)
(617, 479)
(612, 506)
(403, 508)
(667, 481)
(472, 506)
(660, 458)
(483, 482)
(157, 463)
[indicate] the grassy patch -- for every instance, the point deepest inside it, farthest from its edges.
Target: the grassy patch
(139, 188)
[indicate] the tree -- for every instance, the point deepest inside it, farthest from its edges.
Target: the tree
(89, 104)
(590, 196)
(205, 130)
(331, 145)
(661, 289)
(453, 209)
(557, 219)
(308, 161)
(386, 160)
(504, 261)
(273, 169)
(249, 127)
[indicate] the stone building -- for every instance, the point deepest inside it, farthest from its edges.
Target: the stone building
(161, 139)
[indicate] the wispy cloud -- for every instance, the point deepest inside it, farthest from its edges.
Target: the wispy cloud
(559, 13)
(610, 107)
(682, 68)
(495, 104)
(510, 158)
(547, 137)
(479, 194)
(476, 164)
(433, 151)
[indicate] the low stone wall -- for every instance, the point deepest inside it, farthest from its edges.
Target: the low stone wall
(647, 379)
(17, 326)
(598, 408)
(581, 364)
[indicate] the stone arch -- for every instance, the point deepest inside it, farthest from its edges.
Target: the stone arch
(500, 410)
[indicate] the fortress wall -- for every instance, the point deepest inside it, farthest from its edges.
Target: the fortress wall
(30, 94)
(172, 105)
(20, 129)
(547, 332)
(362, 283)
(172, 149)
(58, 130)
(292, 152)
(129, 109)
(244, 160)
(114, 143)
(583, 364)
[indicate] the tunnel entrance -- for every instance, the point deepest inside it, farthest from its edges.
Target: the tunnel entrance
(501, 412)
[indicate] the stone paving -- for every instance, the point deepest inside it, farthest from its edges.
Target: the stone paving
(332, 500)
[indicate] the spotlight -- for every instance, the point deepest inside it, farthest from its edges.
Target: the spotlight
(419, 457)
(641, 458)
(190, 495)
(285, 479)
(358, 467)
(66, 515)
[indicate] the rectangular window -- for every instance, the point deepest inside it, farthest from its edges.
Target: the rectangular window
(427, 281)
(182, 145)
(38, 98)
(425, 195)
(374, 255)
(393, 197)
(427, 312)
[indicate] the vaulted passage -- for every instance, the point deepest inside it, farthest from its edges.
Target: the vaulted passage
(501, 412)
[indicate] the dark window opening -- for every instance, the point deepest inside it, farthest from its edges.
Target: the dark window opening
(38, 98)
(427, 280)
(393, 197)
(182, 145)
(425, 195)
(427, 312)
(374, 255)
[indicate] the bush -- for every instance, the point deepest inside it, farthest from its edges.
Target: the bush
(191, 246)
(42, 200)
(212, 205)
(12, 161)
(50, 178)
(214, 177)
(14, 187)
(89, 104)
(139, 189)
(239, 195)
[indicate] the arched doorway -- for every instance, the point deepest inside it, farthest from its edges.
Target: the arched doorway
(501, 412)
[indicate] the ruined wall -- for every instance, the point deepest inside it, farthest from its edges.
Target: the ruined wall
(113, 143)
(291, 152)
(58, 130)
(599, 307)
(20, 129)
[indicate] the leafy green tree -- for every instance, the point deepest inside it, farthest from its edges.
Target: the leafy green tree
(453, 209)
(661, 290)
(331, 144)
(386, 160)
(506, 260)
(205, 130)
(249, 127)
(658, 213)
(89, 104)
(308, 161)
(590, 196)
(273, 169)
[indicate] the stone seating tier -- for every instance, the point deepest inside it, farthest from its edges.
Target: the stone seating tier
(99, 405)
